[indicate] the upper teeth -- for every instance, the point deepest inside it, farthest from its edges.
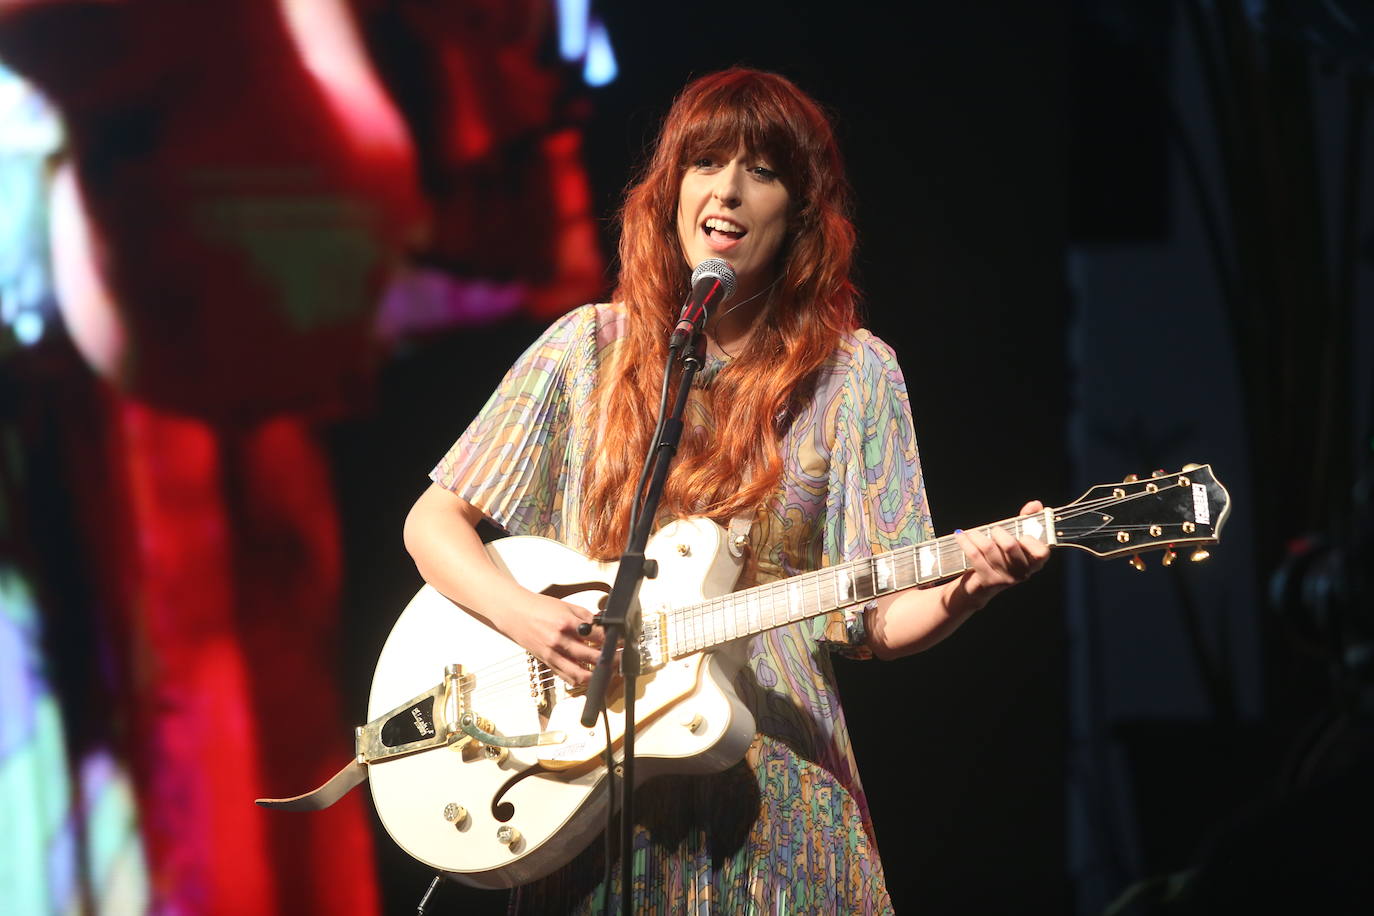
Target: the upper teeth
(724, 225)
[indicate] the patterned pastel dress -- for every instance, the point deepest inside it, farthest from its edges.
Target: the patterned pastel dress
(787, 830)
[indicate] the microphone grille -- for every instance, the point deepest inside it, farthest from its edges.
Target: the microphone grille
(721, 270)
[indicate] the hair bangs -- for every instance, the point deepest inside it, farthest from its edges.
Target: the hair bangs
(717, 122)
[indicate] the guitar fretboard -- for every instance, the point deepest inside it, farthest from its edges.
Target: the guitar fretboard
(719, 620)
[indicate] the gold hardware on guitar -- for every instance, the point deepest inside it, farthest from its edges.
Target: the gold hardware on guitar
(455, 814)
(509, 837)
(480, 729)
(540, 677)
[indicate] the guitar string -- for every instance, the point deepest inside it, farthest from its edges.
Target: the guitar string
(519, 682)
(946, 547)
(947, 544)
(766, 600)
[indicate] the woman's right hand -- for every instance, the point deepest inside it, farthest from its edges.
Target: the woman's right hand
(547, 628)
(441, 535)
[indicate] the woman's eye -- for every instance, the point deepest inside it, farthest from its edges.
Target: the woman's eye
(764, 172)
(703, 162)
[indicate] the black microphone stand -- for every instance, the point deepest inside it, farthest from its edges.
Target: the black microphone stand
(620, 620)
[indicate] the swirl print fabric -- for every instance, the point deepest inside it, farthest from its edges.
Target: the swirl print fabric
(788, 828)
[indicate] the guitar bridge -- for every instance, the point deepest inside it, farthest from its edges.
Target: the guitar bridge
(541, 683)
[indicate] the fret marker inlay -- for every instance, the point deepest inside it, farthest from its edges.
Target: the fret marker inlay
(927, 556)
(883, 567)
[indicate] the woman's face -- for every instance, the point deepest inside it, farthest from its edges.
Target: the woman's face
(733, 206)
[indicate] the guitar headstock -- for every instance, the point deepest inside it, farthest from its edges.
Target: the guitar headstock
(1159, 512)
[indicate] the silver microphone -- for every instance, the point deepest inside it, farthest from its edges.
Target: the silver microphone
(713, 281)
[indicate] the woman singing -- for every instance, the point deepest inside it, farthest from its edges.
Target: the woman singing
(799, 421)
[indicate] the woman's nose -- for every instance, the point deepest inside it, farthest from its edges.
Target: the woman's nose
(726, 188)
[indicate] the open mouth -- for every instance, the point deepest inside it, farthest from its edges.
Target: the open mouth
(723, 229)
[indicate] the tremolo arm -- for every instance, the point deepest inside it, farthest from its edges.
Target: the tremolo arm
(439, 717)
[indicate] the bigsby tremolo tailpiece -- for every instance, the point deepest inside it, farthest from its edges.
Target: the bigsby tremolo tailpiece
(439, 717)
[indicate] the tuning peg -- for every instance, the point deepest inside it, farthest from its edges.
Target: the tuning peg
(1158, 472)
(1137, 564)
(1131, 478)
(1191, 466)
(1169, 556)
(1199, 555)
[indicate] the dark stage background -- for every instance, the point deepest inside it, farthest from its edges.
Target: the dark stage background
(1104, 237)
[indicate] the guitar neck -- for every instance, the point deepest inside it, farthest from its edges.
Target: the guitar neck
(744, 613)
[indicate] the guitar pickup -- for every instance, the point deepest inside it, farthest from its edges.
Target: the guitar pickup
(653, 642)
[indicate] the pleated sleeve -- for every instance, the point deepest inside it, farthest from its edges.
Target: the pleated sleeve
(520, 461)
(875, 499)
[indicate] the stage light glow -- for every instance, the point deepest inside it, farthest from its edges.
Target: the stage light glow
(30, 133)
(600, 67)
(583, 37)
(41, 870)
(573, 17)
(28, 328)
(331, 48)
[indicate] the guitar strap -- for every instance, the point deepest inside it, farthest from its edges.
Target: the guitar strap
(739, 529)
(339, 785)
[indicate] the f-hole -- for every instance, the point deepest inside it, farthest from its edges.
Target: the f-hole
(504, 811)
(562, 591)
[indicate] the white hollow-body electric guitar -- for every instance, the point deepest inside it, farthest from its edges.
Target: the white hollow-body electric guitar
(478, 763)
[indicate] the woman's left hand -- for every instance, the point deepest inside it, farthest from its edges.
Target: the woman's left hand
(999, 560)
(916, 619)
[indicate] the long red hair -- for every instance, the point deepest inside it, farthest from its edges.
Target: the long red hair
(811, 306)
